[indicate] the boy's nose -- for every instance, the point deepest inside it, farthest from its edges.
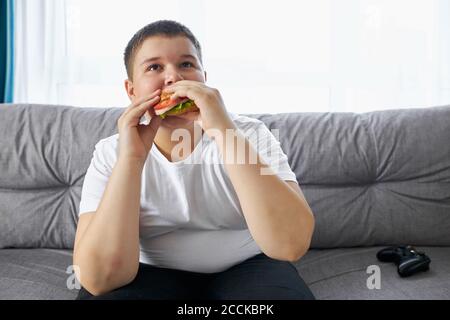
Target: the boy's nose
(172, 77)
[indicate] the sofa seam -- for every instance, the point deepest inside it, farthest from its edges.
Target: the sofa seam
(371, 135)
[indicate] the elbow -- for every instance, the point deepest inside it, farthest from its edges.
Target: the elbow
(291, 254)
(95, 284)
(98, 280)
(95, 290)
(304, 244)
(106, 283)
(300, 241)
(296, 253)
(288, 255)
(298, 245)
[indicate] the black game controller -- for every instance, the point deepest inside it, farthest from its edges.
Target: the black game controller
(408, 260)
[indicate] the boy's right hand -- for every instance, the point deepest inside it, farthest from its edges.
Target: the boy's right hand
(135, 140)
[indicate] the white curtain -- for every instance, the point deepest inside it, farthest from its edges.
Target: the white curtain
(40, 51)
(263, 56)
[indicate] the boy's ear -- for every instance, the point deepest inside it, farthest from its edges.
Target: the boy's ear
(129, 88)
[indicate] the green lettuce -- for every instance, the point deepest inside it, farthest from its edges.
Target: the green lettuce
(177, 109)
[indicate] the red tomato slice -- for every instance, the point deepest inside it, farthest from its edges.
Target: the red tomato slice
(169, 103)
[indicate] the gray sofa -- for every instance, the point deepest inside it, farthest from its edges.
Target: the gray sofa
(372, 180)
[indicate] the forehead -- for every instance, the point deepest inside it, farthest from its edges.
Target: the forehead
(165, 47)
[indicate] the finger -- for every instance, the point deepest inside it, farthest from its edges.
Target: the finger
(149, 97)
(139, 111)
(187, 83)
(184, 84)
(185, 92)
(146, 105)
(143, 100)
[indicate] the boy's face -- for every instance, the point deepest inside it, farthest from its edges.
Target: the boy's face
(160, 62)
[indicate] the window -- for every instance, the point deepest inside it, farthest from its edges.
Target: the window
(271, 56)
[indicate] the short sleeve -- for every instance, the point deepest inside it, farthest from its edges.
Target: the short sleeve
(269, 149)
(96, 177)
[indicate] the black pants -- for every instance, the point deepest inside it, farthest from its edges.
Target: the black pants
(259, 277)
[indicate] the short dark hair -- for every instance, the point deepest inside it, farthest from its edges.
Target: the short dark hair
(166, 28)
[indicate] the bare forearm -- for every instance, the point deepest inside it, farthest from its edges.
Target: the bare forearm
(279, 220)
(108, 252)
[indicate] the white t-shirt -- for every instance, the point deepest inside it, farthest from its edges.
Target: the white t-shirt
(190, 215)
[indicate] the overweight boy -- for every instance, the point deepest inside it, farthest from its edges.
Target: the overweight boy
(157, 223)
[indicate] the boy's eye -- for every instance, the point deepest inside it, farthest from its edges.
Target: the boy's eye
(153, 67)
(187, 64)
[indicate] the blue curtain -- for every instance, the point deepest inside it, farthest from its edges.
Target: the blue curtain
(6, 50)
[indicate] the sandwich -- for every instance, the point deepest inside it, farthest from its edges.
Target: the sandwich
(173, 107)
(170, 107)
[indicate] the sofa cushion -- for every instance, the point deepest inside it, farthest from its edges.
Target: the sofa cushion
(330, 274)
(36, 274)
(343, 273)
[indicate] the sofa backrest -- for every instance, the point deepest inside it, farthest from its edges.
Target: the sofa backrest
(375, 178)
(45, 152)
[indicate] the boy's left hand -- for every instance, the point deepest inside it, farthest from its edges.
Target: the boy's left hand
(213, 113)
